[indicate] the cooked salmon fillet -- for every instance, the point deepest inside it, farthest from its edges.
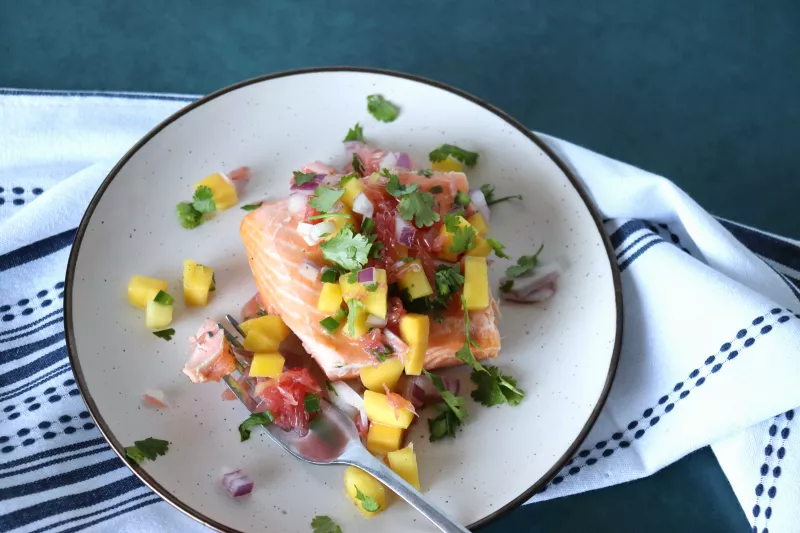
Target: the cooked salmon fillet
(275, 251)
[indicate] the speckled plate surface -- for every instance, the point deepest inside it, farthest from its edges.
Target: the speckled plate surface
(563, 353)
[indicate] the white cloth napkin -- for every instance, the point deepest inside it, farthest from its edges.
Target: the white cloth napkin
(711, 351)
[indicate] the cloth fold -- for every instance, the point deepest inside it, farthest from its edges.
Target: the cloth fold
(709, 355)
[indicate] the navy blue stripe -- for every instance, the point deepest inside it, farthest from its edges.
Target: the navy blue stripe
(634, 243)
(26, 326)
(41, 380)
(625, 231)
(113, 515)
(99, 94)
(60, 480)
(31, 332)
(37, 250)
(53, 462)
(52, 452)
(33, 367)
(42, 510)
(25, 350)
(625, 264)
(791, 284)
(49, 527)
(778, 250)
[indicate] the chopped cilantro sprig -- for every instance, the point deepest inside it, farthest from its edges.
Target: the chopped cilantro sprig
(347, 249)
(355, 134)
(149, 448)
(256, 419)
(488, 193)
(464, 156)
(381, 108)
(190, 214)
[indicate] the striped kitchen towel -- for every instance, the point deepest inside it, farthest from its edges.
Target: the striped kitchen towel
(710, 355)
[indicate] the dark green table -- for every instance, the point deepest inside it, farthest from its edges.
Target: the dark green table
(702, 92)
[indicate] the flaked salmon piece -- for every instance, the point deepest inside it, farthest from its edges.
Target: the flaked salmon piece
(275, 251)
(211, 354)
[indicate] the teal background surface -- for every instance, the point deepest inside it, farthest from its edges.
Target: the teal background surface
(704, 93)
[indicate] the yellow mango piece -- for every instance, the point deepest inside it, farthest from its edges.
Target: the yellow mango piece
(266, 365)
(257, 342)
(142, 290)
(353, 290)
(380, 412)
(384, 439)
(375, 302)
(482, 248)
(415, 282)
(360, 325)
(414, 330)
(355, 481)
(404, 464)
(330, 298)
(271, 326)
(447, 165)
(157, 316)
(340, 222)
(224, 192)
(352, 188)
(374, 377)
(446, 254)
(197, 282)
(479, 223)
(476, 283)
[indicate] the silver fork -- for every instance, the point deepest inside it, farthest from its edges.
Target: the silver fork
(333, 439)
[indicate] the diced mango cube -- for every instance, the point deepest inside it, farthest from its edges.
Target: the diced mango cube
(330, 298)
(266, 365)
(157, 316)
(404, 464)
(479, 223)
(482, 248)
(271, 326)
(375, 376)
(380, 412)
(415, 281)
(447, 165)
(476, 283)
(360, 327)
(375, 302)
(340, 222)
(352, 290)
(258, 342)
(224, 192)
(414, 330)
(352, 188)
(355, 481)
(384, 439)
(197, 282)
(446, 252)
(142, 290)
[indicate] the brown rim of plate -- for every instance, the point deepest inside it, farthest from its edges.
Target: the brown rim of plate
(73, 257)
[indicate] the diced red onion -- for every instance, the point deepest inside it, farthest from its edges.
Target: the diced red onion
(420, 390)
(304, 230)
(362, 413)
(403, 160)
(318, 230)
(537, 288)
(297, 203)
(309, 270)
(367, 275)
(403, 231)
(375, 321)
(363, 206)
(309, 185)
(237, 483)
(346, 398)
(478, 201)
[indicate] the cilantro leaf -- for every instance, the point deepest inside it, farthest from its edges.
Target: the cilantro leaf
(347, 249)
(188, 216)
(256, 419)
(301, 178)
(444, 425)
(148, 448)
(507, 285)
(395, 188)
(488, 193)
(325, 198)
(165, 334)
(353, 308)
(463, 239)
(163, 298)
(453, 402)
(448, 280)
(426, 172)
(330, 275)
(344, 179)
(358, 166)
(311, 403)
(419, 207)
(355, 133)
(462, 198)
(203, 199)
(251, 207)
(324, 524)
(331, 388)
(436, 189)
(494, 388)
(525, 265)
(465, 355)
(330, 324)
(498, 248)
(367, 503)
(465, 156)
(381, 108)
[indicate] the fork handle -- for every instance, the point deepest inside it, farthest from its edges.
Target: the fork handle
(367, 462)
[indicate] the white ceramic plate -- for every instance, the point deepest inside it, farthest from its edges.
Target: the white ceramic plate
(563, 353)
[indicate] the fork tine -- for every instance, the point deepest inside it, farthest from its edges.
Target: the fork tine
(240, 393)
(235, 323)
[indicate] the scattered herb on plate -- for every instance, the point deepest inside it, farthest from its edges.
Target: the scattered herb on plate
(149, 448)
(381, 108)
(355, 134)
(256, 419)
(165, 334)
(459, 154)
